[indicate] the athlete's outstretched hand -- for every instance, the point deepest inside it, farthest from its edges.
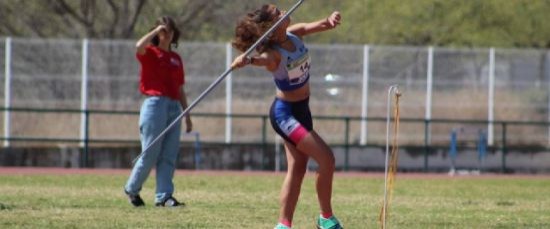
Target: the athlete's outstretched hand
(334, 19)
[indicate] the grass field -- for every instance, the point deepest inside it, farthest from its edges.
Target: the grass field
(250, 200)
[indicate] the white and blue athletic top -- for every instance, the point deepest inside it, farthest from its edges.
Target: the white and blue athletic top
(293, 70)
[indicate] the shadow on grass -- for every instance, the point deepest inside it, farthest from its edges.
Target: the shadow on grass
(5, 207)
(505, 203)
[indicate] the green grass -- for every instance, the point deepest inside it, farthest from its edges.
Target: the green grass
(251, 201)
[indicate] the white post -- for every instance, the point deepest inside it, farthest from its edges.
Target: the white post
(491, 96)
(228, 93)
(429, 85)
(7, 92)
(365, 95)
(277, 153)
(84, 91)
(548, 111)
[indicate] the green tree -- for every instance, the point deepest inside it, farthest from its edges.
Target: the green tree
(462, 23)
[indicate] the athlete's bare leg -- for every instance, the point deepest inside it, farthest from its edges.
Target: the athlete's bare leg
(290, 191)
(315, 147)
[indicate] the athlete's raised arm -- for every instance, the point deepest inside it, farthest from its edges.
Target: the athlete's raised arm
(304, 29)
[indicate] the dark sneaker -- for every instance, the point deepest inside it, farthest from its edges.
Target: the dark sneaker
(170, 202)
(135, 199)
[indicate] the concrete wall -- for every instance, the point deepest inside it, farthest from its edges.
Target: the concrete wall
(258, 157)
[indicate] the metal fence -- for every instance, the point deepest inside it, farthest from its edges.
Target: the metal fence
(491, 85)
(465, 139)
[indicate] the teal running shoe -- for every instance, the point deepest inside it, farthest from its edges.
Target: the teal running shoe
(330, 223)
(281, 226)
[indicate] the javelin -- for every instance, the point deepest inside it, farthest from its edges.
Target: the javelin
(218, 80)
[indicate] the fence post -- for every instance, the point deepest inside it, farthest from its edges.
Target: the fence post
(197, 150)
(452, 149)
(228, 92)
(546, 72)
(7, 93)
(84, 93)
(426, 143)
(365, 95)
(504, 147)
(428, 114)
(481, 149)
(491, 101)
(346, 142)
(264, 139)
(84, 104)
(277, 153)
(86, 139)
(429, 86)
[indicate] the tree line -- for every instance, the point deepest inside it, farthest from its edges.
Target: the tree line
(458, 23)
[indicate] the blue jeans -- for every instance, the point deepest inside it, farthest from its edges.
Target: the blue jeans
(157, 112)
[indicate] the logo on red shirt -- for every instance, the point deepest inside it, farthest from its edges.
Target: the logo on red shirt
(174, 61)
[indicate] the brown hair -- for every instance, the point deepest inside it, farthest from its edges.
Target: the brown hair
(171, 25)
(251, 27)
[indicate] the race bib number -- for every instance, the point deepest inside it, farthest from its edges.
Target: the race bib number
(298, 70)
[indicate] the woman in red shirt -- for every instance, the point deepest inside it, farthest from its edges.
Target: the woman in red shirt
(161, 81)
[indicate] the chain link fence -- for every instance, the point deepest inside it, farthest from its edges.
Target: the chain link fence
(437, 83)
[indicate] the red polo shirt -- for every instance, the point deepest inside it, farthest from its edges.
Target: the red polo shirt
(161, 73)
